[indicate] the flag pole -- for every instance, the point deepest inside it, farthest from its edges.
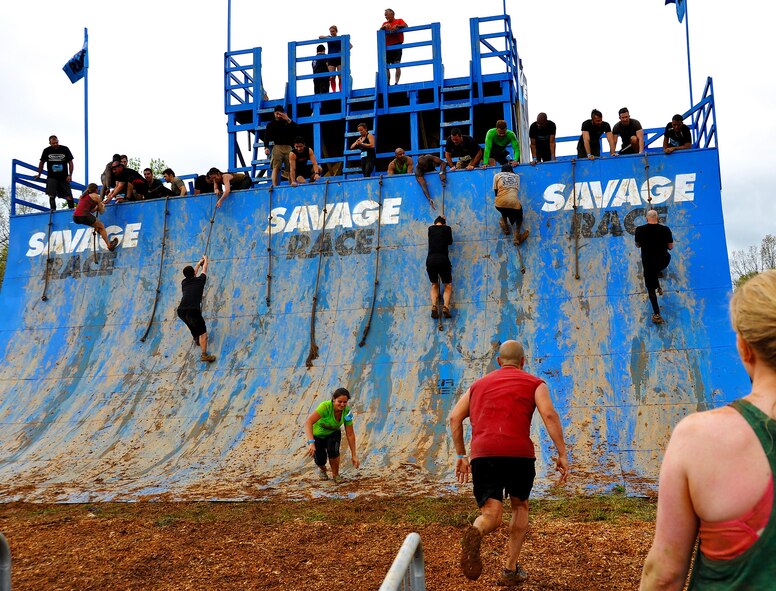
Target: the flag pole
(687, 39)
(86, 108)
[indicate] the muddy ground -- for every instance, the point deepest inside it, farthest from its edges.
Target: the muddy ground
(580, 544)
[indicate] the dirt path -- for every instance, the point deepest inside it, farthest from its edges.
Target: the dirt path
(590, 544)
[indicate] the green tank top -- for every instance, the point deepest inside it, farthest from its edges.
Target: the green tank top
(400, 168)
(755, 569)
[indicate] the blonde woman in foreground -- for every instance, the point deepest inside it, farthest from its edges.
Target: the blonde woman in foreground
(716, 481)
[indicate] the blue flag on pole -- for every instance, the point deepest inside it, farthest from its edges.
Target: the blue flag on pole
(681, 8)
(76, 67)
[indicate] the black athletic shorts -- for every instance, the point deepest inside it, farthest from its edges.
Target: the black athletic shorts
(393, 56)
(500, 156)
(85, 220)
(652, 269)
(194, 320)
(439, 266)
(493, 477)
(515, 216)
(328, 446)
(58, 187)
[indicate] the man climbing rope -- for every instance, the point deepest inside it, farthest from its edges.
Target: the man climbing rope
(506, 185)
(438, 266)
(190, 307)
(655, 240)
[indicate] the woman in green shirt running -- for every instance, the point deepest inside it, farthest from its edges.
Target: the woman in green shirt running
(323, 432)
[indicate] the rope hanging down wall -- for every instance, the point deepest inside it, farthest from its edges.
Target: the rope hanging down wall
(269, 247)
(44, 297)
(575, 222)
(313, 347)
(377, 264)
(161, 264)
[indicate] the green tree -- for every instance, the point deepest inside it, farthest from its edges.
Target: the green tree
(748, 262)
(156, 165)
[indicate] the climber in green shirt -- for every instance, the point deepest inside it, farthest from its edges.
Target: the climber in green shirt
(323, 432)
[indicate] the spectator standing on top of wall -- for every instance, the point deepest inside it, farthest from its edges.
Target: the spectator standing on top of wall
(83, 214)
(506, 186)
(655, 240)
(677, 136)
(428, 163)
(304, 166)
(500, 407)
(542, 136)
(589, 144)
(334, 64)
(716, 479)
(177, 185)
(401, 164)
(59, 172)
(226, 182)
(190, 306)
(278, 138)
(630, 131)
(438, 266)
(366, 143)
(320, 85)
(496, 142)
(463, 147)
(393, 36)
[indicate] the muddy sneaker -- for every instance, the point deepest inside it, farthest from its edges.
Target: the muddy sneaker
(434, 312)
(337, 479)
(446, 312)
(113, 244)
(522, 237)
(659, 291)
(504, 226)
(471, 564)
(511, 578)
(657, 319)
(207, 357)
(323, 475)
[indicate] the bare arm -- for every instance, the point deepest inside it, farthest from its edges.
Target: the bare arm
(612, 143)
(308, 430)
(182, 191)
(117, 189)
(449, 159)
(410, 166)
(40, 170)
(457, 416)
(350, 434)
(586, 143)
(533, 150)
(668, 561)
(552, 147)
(316, 169)
(392, 168)
(640, 136)
(292, 166)
(477, 159)
(227, 179)
(554, 429)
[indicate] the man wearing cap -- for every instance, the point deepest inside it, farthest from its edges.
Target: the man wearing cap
(506, 186)
(438, 266)
(106, 178)
(500, 407)
(129, 180)
(279, 137)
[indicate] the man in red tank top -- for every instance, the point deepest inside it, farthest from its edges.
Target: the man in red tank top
(500, 407)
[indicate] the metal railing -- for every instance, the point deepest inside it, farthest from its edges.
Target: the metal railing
(408, 569)
(5, 565)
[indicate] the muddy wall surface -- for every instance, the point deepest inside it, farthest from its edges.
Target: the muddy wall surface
(89, 412)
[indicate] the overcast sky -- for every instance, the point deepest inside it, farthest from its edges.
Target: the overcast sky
(156, 75)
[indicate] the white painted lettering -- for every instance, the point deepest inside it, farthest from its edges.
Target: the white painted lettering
(131, 232)
(684, 187)
(391, 211)
(276, 221)
(365, 213)
(659, 187)
(37, 244)
(339, 216)
(553, 197)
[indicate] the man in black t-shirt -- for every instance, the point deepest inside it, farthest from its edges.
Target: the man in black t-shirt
(654, 240)
(278, 138)
(438, 266)
(59, 162)
(202, 185)
(677, 136)
(542, 136)
(128, 180)
(190, 307)
(630, 131)
(463, 147)
(589, 144)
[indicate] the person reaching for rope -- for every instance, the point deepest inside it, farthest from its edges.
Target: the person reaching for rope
(190, 307)
(82, 214)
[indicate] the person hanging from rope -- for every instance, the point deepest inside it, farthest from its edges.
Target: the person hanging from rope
(89, 201)
(224, 182)
(655, 240)
(190, 307)
(322, 429)
(506, 186)
(428, 163)
(438, 265)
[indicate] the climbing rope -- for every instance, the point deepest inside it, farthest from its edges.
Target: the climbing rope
(269, 246)
(646, 172)
(44, 297)
(313, 347)
(159, 278)
(377, 265)
(440, 287)
(94, 237)
(210, 231)
(576, 217)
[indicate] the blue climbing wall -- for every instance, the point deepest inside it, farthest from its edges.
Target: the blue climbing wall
(88, 412)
